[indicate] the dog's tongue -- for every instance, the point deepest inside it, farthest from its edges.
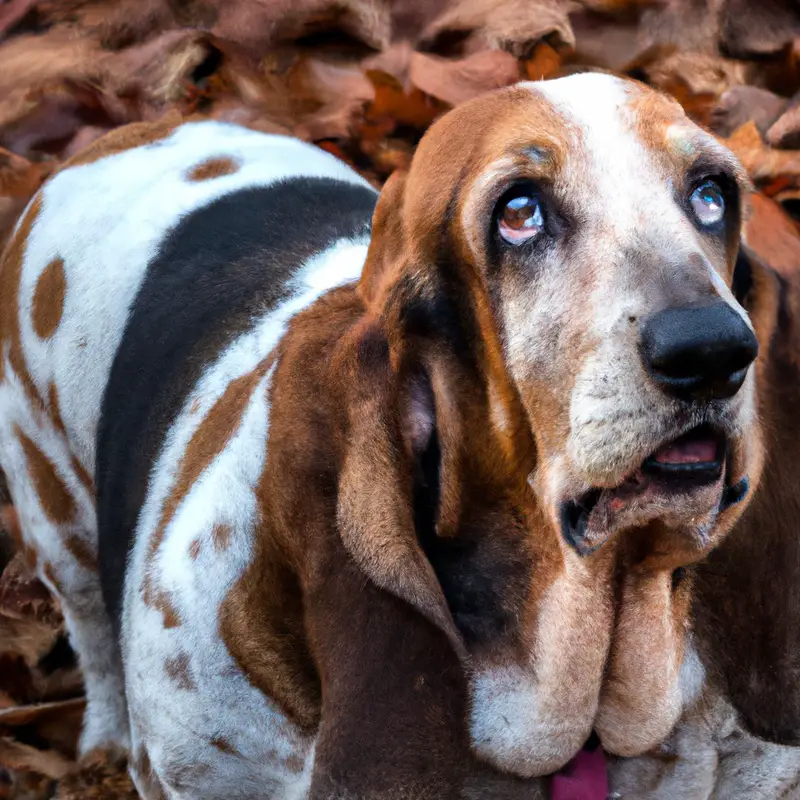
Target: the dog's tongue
(687, 450)
(584, 778)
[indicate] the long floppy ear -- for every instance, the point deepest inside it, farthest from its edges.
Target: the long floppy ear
(393, 419)
(747, 594)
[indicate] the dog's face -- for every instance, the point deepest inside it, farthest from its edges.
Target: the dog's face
(564, 253)
(604, 226)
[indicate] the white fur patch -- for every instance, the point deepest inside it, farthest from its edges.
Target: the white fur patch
(530, 720)
(106, 220)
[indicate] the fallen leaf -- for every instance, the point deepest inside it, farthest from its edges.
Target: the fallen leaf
(38, 712)
(785, 130)
(98, 779)
(455, 81)
(696, 80)
(516, 26)
(256, 25)
(13, 12)
(773, 236)
(116, 23)
(335, 96)
(750, 29)
(19, 180)
(741, 104)
(605, 40)
(23, 596)
(156, 69)
(691, 26)
(763, 163)
(544, 62)
(19, 756)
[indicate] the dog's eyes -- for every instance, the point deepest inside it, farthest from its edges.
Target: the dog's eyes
(520, 218)
(708, 203)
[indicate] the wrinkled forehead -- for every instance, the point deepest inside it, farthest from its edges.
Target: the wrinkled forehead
(621, 133)
(589, 135)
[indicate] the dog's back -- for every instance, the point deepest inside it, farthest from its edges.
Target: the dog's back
(143, 292)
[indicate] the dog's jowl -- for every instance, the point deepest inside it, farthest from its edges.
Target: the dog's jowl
(359, 496)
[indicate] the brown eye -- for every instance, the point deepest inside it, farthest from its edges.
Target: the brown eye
(520, 219)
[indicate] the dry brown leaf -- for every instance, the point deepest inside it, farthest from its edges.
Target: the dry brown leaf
(39, 712)
(100, 776)
(256, 25)
(749, 29)
(30, 63)
(690, 25)
(605, 41)
(769, 168)
(19, 179)
(515, 26)
(393, 61)
(19, 756)
(409, 17)
(545, 62)
(156, 69)
(334, 97)
(116, 23)
(619, 7)
(696, 80)
(23, 596)
(774, 236)
(11, 13)
(455, 81)
(785, 131)
(743, 103)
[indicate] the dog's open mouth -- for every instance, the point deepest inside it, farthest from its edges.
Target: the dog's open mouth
(689, 470)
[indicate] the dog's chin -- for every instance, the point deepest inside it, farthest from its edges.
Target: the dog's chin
(686, 484)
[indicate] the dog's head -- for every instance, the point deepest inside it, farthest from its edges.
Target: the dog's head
(603, 228)
(555, 276)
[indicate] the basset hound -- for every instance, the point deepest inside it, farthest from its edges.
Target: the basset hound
(382, 497)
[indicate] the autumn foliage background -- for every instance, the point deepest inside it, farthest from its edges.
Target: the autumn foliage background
(363, 79)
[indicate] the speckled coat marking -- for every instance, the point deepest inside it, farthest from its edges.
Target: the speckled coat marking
(82, 250)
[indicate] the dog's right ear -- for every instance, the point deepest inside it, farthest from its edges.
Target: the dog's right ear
(392, 422)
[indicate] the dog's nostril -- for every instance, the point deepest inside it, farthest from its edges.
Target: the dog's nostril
(698, 353)
(631, 318)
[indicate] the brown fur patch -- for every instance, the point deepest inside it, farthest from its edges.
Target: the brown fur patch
(294, 764)
(80, 471)
(221, 536)
(178, 668)
(56, 500)
(224, 746)
(83, 475)
(148, 778)
(160, 600)
(55, 409)
(194, 549)
(126, 138)
(213, 168)
(210, 438)
(10, 279)
(48, 299)
(82, 552)
(50, 574)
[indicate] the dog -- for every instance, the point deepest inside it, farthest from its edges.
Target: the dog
(739, 738)
(359, 496)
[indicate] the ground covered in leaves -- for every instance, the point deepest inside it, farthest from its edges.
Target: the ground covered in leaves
(364, 79)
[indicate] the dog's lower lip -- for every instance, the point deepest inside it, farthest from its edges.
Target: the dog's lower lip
(677, 467)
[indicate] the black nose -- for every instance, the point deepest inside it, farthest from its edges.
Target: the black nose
(698, 353)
